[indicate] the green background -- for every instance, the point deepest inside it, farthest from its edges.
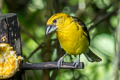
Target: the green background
(33, 15)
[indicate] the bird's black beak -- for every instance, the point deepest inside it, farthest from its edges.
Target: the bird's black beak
(50, 29)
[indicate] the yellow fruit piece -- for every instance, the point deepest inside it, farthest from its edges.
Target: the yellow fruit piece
(9, 61)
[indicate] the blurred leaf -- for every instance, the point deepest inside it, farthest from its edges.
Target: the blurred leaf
(36, 4)
(102, 3)
(73, 2)
(114, 21)
(104, 43)
(28, 47)
(4, 9)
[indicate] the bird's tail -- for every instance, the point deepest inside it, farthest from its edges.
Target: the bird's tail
(91, 57)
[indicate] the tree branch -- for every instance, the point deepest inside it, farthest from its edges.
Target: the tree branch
(50, 65)
(100, 19)
(31, 54)
(35, 50)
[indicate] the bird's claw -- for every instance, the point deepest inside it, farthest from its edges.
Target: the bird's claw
(76, 64)
(60, 62)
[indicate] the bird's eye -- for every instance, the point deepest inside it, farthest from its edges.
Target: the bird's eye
(54, 21)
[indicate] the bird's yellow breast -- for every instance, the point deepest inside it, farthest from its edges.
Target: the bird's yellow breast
(72, 38)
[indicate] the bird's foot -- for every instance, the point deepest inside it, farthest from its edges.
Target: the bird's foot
(76, 64)
(60, 61)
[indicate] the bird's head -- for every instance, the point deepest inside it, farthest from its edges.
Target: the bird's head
(55, 22)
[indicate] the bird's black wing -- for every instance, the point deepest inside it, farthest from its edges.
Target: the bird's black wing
(92, 57)
(89, 55)
(83, 26)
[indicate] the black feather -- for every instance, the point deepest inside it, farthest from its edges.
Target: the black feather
(91, 57)
(83, 26)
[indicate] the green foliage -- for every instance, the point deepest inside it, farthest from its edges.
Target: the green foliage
(33, 21)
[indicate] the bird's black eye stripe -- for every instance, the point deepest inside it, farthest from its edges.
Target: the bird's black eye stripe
(54, 21)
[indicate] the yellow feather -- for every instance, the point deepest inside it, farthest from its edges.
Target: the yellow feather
(70, 34)
(72, 40)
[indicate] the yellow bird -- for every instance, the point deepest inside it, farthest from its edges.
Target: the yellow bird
(72, 35)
